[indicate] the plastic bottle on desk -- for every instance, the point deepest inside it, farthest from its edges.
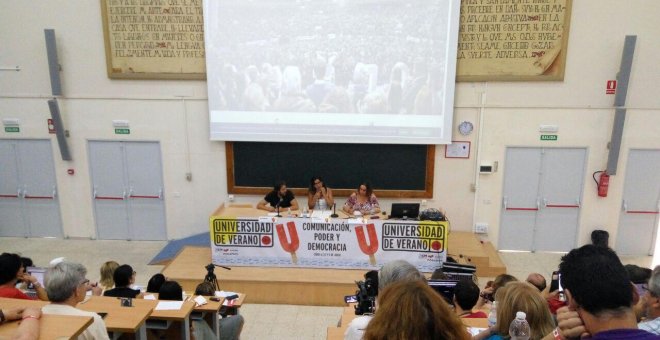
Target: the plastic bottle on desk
(519, 328)
(492, 315)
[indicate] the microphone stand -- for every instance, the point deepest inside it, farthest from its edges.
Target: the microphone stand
(334, 210)
(278, 208)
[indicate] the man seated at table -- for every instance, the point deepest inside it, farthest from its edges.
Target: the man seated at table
(66, 286)
(124, 277)
(280, 196)
(466, 294)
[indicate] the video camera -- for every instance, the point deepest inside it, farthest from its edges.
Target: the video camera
(366, 294)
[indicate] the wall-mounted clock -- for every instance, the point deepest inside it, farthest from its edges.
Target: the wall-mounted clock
(465, 128)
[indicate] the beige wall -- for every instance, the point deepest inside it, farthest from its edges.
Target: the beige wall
(504, 114)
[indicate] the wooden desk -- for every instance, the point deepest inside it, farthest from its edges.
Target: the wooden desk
(51, 326)
(162, 319)
(121, 319)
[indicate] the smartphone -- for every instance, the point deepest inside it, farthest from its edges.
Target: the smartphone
(126, 302)
(215, 298)
(562, 297)
(554, 283)
(350, 298)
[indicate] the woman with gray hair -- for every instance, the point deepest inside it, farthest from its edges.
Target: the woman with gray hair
(66, 286)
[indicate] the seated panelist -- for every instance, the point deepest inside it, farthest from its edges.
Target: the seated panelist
(363, 201)
(319, 196)
(279, 196)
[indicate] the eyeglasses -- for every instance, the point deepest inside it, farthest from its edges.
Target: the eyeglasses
(317, 182)
(85, 282)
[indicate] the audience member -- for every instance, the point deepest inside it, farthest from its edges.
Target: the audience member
(27, 262)
(651, 304)
(391, 272)
(466, 294)
(537, 280)
(600, 297)
(413, 310)
(107, 272)
(155, 282)
(124, 277)
(170, 290)
(67, 286)
(488, 294)
(600, 238)
(11, 270)
(230, 325)
(279, 196)
(519, 297)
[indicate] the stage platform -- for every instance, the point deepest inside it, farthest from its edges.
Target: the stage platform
(307, 286)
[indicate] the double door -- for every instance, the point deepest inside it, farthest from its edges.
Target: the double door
(541, 198)
(638, 222)
(127, 190)
(29, 206)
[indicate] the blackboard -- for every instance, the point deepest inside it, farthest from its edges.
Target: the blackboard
(393, 170)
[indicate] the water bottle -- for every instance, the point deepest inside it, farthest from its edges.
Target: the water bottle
(519, 328)
(492, 315)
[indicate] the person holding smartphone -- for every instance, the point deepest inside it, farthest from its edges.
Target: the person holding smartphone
(600, 297)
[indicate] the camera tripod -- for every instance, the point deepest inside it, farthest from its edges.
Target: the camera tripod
(210, 275)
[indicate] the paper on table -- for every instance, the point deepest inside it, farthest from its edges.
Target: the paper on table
(475, 330)
(169, 305)
(222, 293)
(150, 297)
(200, 300)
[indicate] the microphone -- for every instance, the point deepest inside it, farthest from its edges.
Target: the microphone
(334, 210)
(278, 207)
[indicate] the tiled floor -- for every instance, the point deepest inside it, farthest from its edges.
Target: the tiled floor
(262, 321)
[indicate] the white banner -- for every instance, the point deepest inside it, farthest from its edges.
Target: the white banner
(326, 243)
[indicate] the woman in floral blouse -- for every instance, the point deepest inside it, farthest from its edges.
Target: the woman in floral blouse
(363, 201)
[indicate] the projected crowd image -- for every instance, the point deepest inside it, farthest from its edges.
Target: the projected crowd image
(342, 56)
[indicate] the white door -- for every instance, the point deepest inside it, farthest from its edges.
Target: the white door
(541, 198)
(641, 202)
(520, 200)
(562, 178)
(127, 190)
(29, 205)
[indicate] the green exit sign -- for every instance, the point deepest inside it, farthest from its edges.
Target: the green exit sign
(12, 129)
(548, 137)
(122, 131)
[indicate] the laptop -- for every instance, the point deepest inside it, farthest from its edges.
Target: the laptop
(404, 210)
(38, 273)
(445, 288)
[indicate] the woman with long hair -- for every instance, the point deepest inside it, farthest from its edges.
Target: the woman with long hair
(319, 196)
(515, 297)
(363, 201)
(412, 310)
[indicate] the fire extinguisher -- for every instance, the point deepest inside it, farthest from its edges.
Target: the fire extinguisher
(603, 182)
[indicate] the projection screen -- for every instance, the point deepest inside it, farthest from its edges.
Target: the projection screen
(333, 71)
